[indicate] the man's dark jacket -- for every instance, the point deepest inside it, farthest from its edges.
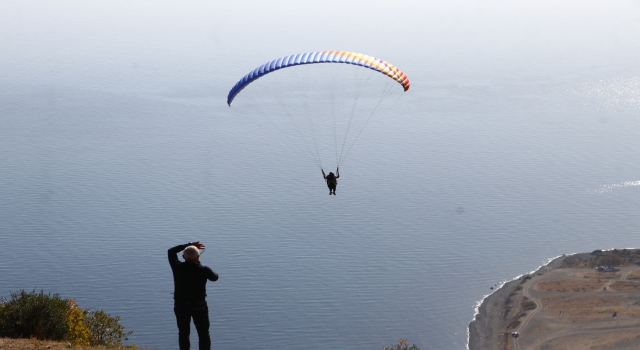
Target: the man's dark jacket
(189, 279)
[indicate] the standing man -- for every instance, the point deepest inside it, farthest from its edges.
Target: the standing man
(189, 293)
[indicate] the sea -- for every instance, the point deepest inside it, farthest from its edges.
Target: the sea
(517, 142)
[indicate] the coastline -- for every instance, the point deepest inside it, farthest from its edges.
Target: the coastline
(577, 301)
(485, 329)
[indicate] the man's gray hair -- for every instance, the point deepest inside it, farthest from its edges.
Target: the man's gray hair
(191, 252)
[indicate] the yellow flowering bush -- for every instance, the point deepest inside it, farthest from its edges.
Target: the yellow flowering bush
(78, 333)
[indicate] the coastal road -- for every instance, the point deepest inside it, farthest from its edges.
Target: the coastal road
(523, 324)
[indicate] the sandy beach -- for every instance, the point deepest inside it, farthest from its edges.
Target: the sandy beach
(566, 304)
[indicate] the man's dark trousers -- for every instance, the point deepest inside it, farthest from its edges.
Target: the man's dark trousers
(200, 313)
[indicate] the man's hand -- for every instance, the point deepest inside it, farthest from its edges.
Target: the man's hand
(198, 245)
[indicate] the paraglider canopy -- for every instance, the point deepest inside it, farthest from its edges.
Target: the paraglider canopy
(320, 57)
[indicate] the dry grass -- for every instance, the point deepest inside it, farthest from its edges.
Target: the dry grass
(624, 286)
(592, 308)
(552, 298)
(598, 275)
(570, 286)
(34, 344)
(597, 340)
(584, 302)
(634, 275)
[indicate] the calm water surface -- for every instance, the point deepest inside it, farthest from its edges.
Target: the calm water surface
(516, 143)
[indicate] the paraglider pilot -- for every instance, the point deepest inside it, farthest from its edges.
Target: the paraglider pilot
(332, 181)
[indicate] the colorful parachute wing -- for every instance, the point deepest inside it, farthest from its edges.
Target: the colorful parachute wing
(321, 57)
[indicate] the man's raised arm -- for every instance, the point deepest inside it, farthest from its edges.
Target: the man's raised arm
(173, 253)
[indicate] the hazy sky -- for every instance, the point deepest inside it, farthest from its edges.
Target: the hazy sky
(181, 44)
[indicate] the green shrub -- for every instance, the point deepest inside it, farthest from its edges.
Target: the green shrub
(105, 329)
(49, 317)
(610, 260)
(34, 315)
(513, 324)
(529, 305)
